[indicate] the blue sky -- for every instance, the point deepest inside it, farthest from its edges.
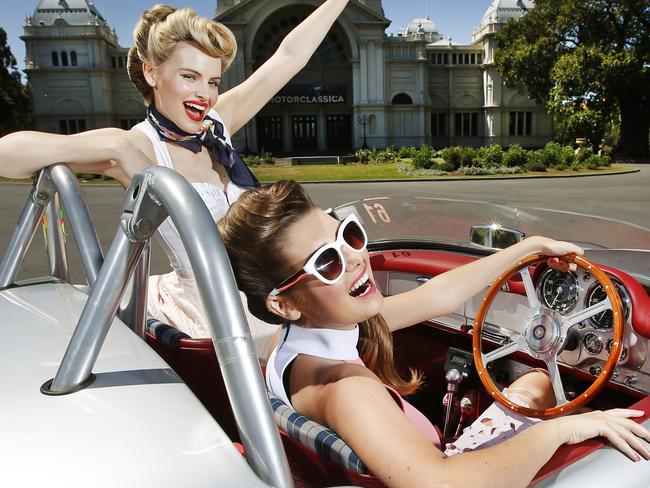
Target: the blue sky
(456, 18)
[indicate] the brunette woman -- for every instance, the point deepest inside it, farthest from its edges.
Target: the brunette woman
(317, 281)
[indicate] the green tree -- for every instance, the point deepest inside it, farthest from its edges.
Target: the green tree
(588, 61)
(15, 99)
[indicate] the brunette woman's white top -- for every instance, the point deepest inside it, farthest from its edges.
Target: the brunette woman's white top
(338, 345)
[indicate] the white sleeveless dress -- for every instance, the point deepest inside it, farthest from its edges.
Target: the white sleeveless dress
(174, 297)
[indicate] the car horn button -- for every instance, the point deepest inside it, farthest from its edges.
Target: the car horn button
(543, 332)
(539, 332)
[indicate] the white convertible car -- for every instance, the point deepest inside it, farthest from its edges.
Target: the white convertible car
(94, 394)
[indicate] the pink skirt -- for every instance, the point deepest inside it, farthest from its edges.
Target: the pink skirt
(174, 299)
(496, 424)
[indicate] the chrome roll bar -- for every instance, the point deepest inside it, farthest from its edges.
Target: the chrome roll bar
(21, 239)
(133, 307)
(57, 179)
(153, 195)
(76, 208)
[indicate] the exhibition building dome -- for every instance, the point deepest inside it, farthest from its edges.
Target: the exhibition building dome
(500, 12)
(425, 27)
(73, 12)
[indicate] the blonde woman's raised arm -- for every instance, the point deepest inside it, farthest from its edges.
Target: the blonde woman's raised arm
(240, 104)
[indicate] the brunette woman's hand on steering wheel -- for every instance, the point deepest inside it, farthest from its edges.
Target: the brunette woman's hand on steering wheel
(556, 249)
(616, 425)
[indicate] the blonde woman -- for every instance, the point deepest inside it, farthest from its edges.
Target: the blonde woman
(176, 63)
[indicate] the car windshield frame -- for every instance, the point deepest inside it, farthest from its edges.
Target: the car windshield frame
(449, 221)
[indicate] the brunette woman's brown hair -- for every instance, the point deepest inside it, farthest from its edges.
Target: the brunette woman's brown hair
(254, 230)
(161, 28)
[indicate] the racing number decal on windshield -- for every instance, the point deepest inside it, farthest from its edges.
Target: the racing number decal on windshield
(377, 210)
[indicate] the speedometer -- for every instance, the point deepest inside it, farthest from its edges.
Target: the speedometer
(596, 294)
(559, 290)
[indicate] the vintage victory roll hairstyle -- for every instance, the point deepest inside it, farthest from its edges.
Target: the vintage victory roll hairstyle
(254, 230)
(161, 28)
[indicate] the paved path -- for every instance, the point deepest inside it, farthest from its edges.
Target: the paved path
(624, 197)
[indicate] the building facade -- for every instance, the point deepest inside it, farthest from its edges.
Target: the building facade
(77, 70)
(361, 86)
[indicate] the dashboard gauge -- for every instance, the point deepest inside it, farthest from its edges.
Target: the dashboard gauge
(559, 290)
(596, 294)
(610, 344)
(592, 343)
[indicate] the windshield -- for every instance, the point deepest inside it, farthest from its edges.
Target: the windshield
(450, 221)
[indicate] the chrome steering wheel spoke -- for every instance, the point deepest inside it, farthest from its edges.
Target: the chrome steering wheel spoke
(529, 286)
(517, 345)
(556, 380)
(588, 312)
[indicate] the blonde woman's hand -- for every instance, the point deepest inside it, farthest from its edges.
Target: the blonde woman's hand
(616, 425)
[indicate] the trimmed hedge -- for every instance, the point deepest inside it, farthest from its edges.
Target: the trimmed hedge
(264, 159)
(487, 160)
(494, 170)
(515, 156)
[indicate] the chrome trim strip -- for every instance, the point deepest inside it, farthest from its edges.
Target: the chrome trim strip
(55, 240)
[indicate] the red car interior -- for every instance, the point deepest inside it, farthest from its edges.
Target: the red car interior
(423, 346)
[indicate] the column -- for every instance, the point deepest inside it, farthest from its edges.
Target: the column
(363, 55)
(379, 73)
(321, 127)
(371, 55)
(287, 132)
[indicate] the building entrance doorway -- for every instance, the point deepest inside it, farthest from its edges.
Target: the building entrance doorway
(269, 133)
(305, 132)
(339, 132)
(313, 105)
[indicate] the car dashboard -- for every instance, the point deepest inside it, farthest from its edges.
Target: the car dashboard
(587, 345)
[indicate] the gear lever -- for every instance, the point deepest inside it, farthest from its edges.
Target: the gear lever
(453, 377)
(467, 411)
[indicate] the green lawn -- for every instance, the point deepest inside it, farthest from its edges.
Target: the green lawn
(355, 171)
(324, 172)
(334, 172)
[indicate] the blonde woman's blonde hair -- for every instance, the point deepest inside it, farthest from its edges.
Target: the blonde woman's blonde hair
(161, 28)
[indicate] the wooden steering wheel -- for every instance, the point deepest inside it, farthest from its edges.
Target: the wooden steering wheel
(544, 335)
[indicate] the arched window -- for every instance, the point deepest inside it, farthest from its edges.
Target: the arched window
(334, 50)
(402, 99)
(55, 58)
(73, 58)
(64, 58)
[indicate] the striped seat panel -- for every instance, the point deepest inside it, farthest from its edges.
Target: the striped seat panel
(314, 436)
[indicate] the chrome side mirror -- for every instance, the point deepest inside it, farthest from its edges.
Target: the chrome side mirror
(494, 236)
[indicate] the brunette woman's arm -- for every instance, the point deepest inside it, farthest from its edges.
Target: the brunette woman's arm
(444, 293)
(240, 104)
(358, 407)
